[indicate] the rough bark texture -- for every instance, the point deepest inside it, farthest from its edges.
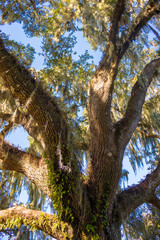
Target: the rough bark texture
(127, 201)
(33, 167)
(92, 206)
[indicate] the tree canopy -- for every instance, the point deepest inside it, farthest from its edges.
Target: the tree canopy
(82, 119)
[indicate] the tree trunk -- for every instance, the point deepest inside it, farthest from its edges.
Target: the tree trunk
(89, 207)
(113, 232)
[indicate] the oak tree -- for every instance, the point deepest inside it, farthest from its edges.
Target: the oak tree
(77, 112)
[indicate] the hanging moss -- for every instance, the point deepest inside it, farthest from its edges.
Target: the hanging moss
(61, 185)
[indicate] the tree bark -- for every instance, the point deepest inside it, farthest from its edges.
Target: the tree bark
(151, 9)
(127, 125)
(128, 200)
(53, 126)
(94, 203)
(45, 222)
(43, 108)
(33, 167)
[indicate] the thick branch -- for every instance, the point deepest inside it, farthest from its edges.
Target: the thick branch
(102, 148)
(54, 129)
(27, 122)
(152, 8)
(154, 200)
(127, 201)
(102, 83)
(127, 125)
(33, 167)
(118, 11)
(48, 223)
(44, 109)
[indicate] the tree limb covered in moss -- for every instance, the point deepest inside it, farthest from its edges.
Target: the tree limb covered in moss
(53, 127)
(151, 8)
(23, 86)
(144, 192)
(33, 167)
(43, 108)
(127, 125)
(35, 219)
